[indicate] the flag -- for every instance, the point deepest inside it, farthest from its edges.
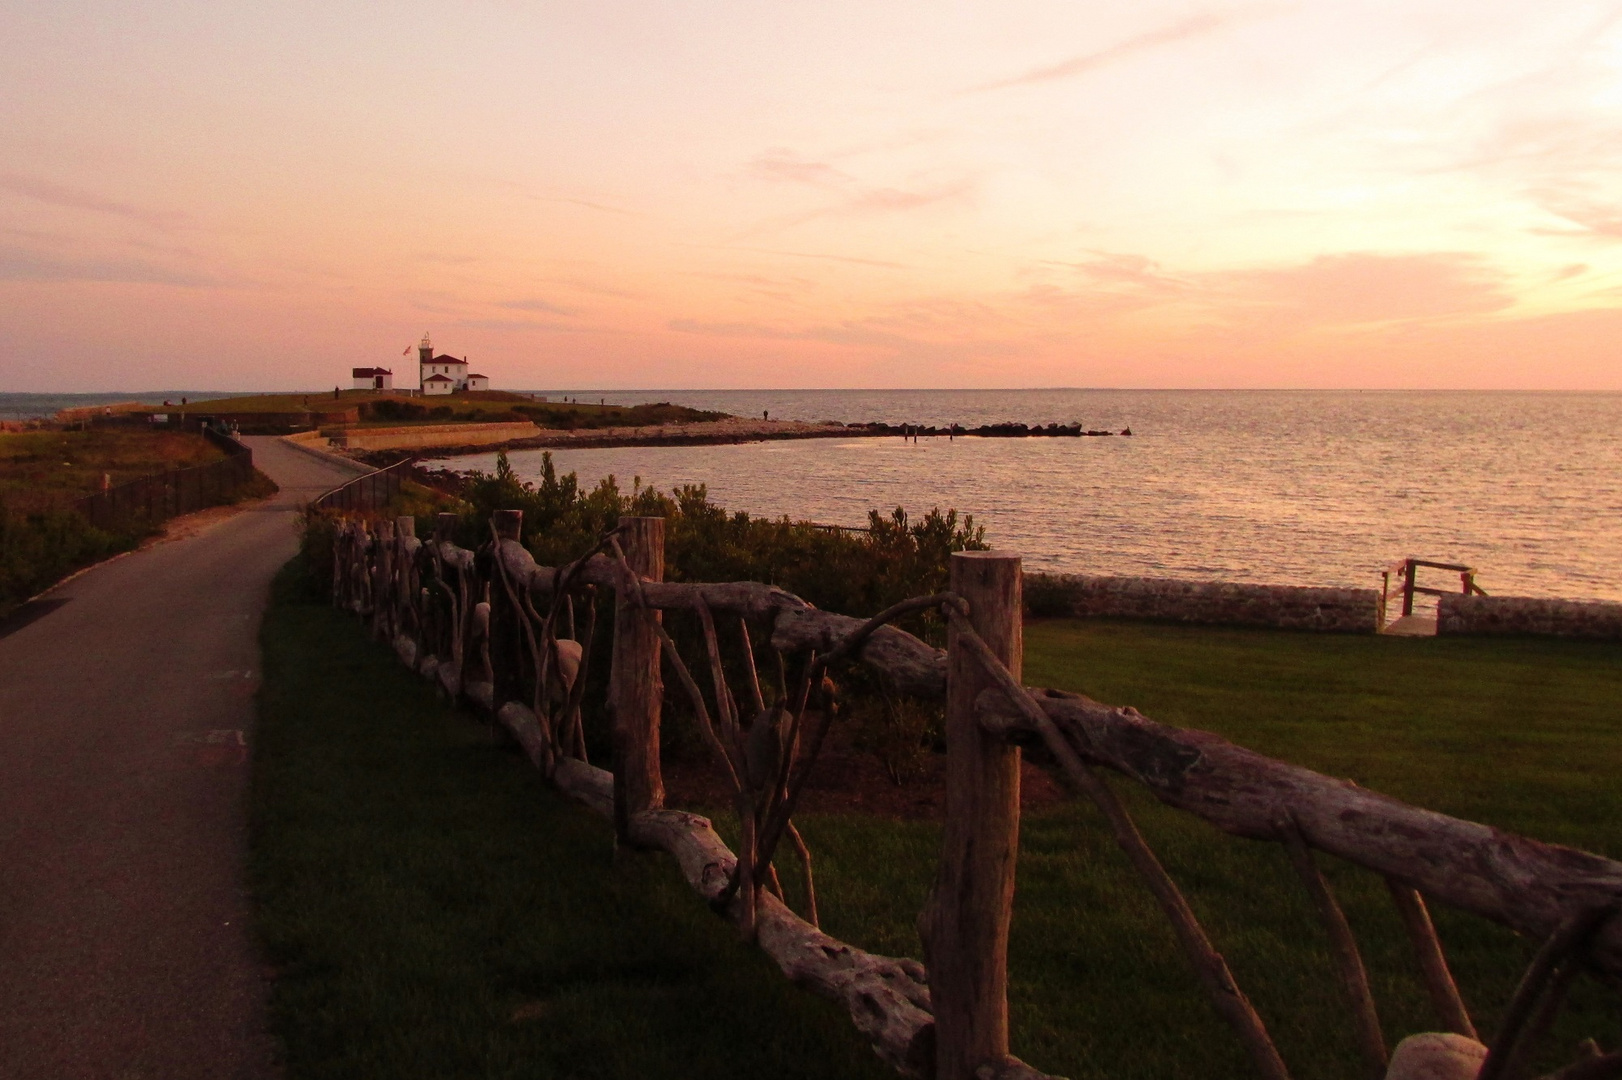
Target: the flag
(406, 351)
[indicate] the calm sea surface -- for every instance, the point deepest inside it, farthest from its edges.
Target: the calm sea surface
(36, 406)
(1308, 487)
(1299, 487)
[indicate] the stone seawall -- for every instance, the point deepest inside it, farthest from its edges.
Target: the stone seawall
(432, 436)
(316, 444)
(1458, 614)
(1213, 603)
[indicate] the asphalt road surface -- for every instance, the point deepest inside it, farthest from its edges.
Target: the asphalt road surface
(126, 712)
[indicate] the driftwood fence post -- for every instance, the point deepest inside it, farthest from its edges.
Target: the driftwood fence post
(964, 925)
(507, 621)
(635, 688)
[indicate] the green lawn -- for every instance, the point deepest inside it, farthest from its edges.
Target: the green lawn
(418, 884)
(1522, 733)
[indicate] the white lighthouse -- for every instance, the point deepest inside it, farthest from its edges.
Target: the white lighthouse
(439, 374)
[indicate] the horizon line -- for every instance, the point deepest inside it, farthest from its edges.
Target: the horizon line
(877, 390)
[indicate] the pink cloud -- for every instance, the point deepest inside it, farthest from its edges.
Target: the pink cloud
(781, 163)
(1200, 24)
(48, 191)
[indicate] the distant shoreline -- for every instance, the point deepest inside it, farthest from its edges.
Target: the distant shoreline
(734, 430)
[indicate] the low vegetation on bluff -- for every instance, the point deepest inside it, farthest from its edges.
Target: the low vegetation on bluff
(43, 474)
(850, 571)
(854, 572)
(366, 407)
(48, 469)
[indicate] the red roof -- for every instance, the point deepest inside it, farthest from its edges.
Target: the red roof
(438, 378)
(472, 376)
(442, 359)
(368, 372)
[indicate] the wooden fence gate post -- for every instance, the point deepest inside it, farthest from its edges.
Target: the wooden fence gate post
(964, 925)
(635, 687)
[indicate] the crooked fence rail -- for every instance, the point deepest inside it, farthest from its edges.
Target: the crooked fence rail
(159, 496)
(493, 628)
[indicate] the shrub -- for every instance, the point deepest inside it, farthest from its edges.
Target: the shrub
(900, 732)
(1047, 596)
(393, 409)
(853, 573)
(41, 548)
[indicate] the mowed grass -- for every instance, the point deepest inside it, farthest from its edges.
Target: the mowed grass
(1525, 734)
(418, 883)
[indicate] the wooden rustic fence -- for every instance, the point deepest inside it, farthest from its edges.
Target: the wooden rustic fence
(157, 497)
(493, 628)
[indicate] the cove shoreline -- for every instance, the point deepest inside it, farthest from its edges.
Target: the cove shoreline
(729, 432)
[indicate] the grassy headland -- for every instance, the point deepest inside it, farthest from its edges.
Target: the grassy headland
(49, 468)
(42, 473)
(384, 408)
(435, 910)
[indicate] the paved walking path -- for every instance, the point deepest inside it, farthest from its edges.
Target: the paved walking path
(124, 942)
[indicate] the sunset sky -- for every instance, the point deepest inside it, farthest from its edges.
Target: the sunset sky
(866, 194)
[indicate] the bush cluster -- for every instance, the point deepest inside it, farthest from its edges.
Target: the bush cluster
(40, 548)
(394, 409)
(854, 573)
(849, 572)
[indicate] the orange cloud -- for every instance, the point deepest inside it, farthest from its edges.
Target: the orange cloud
(1368, 288)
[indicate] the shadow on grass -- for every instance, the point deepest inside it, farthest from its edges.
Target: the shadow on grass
(432, 909)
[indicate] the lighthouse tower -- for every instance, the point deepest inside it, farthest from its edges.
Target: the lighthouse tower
(425, 358)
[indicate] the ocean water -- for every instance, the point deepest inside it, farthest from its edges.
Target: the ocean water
(1289, 487)
(40, 406)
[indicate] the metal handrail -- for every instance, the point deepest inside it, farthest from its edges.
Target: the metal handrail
(369, 492)
(158, 496)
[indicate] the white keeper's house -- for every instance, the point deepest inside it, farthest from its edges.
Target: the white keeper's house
(445, 374)
(372, 378)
